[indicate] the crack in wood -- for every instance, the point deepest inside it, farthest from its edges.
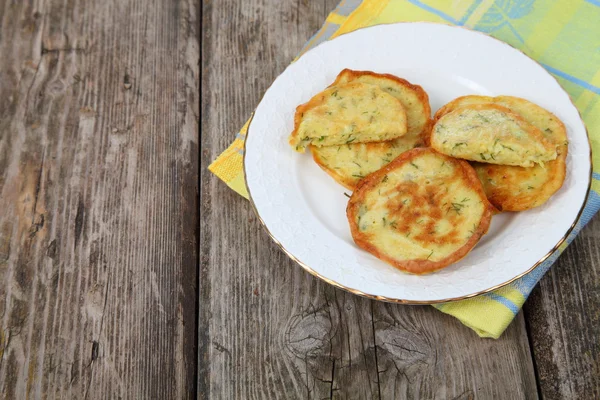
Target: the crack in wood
(79, 215)
(375, 349)
(38, 184)
(45, 50)
(332, 379)
(95, 347)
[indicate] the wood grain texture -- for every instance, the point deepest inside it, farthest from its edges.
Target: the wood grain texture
(267, 329)
(564, 321)
(98, 192)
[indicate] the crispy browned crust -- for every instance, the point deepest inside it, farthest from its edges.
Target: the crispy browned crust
(454, 104)
(315, 100)
(421, 266)
(423, 97)
(505, 199)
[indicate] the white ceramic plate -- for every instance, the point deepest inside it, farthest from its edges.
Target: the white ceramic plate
(304, 209)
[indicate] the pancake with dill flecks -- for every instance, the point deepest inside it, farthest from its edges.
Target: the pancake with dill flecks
(421, 212)
(513, 188)
(490, 133)
(348, 164)
(353, 112)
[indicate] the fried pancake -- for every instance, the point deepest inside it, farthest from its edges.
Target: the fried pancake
(493, 134)
(348, 164)
(516, 188)
(347, 113)
(421, 212)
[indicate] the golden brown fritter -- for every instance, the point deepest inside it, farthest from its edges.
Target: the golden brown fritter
(348, 164)
(511, 188)
(421, 212)
(348, 113)
(490, 133)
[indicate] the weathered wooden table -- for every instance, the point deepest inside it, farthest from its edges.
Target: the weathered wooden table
(120, 277)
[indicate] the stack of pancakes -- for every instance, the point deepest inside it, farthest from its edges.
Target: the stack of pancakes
(425, 189)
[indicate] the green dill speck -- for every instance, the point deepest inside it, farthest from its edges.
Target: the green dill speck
(496, 142)
(347, 195)
(335, 93)
(386, 160)
(472, 231)
(482, 156)
(430, 254)
(529, 187)
(385, 179)
(484, 119)
(459, 144)
(358, 176)
(457, 207)
(322, 138)
(465, 200)
(394, 224)
(384, 221)
(359, 166)
(414, 165)
(507, 147)
(548, 130)
(492, 155)
(408, 234)
(350, 140)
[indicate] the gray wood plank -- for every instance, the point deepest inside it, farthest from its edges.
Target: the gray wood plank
(267, 329)
(98, 191)
(563, 316)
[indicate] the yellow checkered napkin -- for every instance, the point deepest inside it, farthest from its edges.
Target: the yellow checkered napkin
(562, 35)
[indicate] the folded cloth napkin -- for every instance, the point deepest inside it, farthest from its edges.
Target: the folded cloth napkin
(561, 35)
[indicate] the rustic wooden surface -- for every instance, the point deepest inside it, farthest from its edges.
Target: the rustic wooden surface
(563, 316)
(99, 232)
(98, 196)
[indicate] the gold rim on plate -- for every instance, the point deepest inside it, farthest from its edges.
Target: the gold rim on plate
(422, 302)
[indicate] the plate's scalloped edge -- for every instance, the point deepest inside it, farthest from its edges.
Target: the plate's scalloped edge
(425, 302)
